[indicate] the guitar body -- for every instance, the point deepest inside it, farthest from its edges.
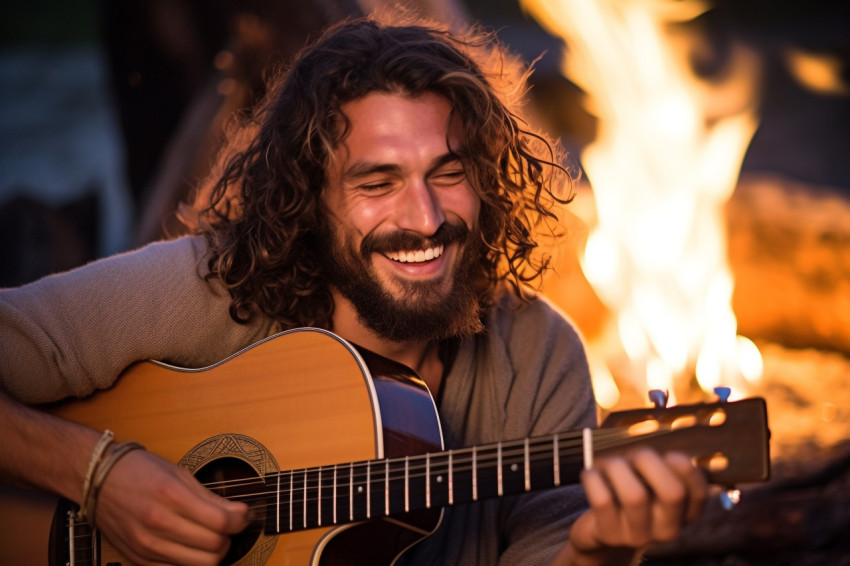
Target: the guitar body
(300, 399)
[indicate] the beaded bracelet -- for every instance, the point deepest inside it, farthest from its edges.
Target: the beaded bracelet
(96, 456)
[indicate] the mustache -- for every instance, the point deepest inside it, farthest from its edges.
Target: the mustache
(447, 233)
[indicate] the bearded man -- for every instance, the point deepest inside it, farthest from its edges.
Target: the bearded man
(384, 190)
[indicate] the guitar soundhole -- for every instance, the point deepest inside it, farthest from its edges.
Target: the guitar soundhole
(236, 479)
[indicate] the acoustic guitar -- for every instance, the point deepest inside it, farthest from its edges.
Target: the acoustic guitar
(337, 447)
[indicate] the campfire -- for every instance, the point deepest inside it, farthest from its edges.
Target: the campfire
(683, 275)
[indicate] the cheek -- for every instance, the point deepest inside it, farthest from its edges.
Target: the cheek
(375, 214)
(360, 223)
(368, 214)
(466, 203)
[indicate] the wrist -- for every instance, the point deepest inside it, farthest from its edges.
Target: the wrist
(99, 467)
(94, 462)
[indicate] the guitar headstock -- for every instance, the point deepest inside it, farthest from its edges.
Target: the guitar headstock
(729, 440)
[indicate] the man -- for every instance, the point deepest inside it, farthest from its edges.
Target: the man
(383, 191)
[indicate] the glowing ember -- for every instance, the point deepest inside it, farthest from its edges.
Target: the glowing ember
(665, 160)
(817, 72)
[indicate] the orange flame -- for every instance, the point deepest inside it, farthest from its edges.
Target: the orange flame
(665, 160)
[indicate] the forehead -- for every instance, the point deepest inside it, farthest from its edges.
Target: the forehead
(383, 120)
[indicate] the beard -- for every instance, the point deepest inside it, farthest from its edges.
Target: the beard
(429, 310)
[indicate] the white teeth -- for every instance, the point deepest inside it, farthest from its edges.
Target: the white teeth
(417, 256)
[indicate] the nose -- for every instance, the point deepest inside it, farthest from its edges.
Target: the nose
(420, 209)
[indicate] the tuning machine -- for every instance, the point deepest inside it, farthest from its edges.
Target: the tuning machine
(730, 496)
(659, 398)
(723, 393)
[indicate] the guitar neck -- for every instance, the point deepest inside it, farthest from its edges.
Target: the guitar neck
(730, 449)
(343, 493)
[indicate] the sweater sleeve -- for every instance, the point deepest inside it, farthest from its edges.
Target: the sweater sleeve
(72, 333)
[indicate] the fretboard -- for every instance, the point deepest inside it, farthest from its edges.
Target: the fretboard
(343, 493)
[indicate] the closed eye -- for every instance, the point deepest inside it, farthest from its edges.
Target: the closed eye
(449, 177)
(377, 183)
(375, 186)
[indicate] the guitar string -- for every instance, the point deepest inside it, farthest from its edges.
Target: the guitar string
(461, 465)
(509, 457)
(513, 454)
(312, 503)
(416, 467)
(567, 441)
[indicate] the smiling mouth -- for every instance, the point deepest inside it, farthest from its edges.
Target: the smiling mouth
(418, 256)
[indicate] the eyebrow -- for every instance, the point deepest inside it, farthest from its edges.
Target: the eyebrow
(365, 168)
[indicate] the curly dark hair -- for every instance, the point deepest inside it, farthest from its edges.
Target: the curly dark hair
(263, 212)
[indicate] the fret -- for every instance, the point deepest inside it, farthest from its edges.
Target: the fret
(342, 494)
(319, 499)
(526, 465)
(359, 491)
(556, 460)
(280, 486)
(499, 474)
(277, 505)
(587, 446)
(406, 484)
(327, 495)
(335, 495)
(427, 481)
(72, 537)
(451, 480)
(351, 492)
(474, 474)
(291, 498)
(387, 487)
(368, 490)
(304, 500)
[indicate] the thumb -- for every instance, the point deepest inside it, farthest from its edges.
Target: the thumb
(238, 515)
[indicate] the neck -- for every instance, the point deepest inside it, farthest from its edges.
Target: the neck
(420, 356)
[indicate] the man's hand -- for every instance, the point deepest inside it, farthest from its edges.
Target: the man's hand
(635, 500)
(151, 510)
(154, 512)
